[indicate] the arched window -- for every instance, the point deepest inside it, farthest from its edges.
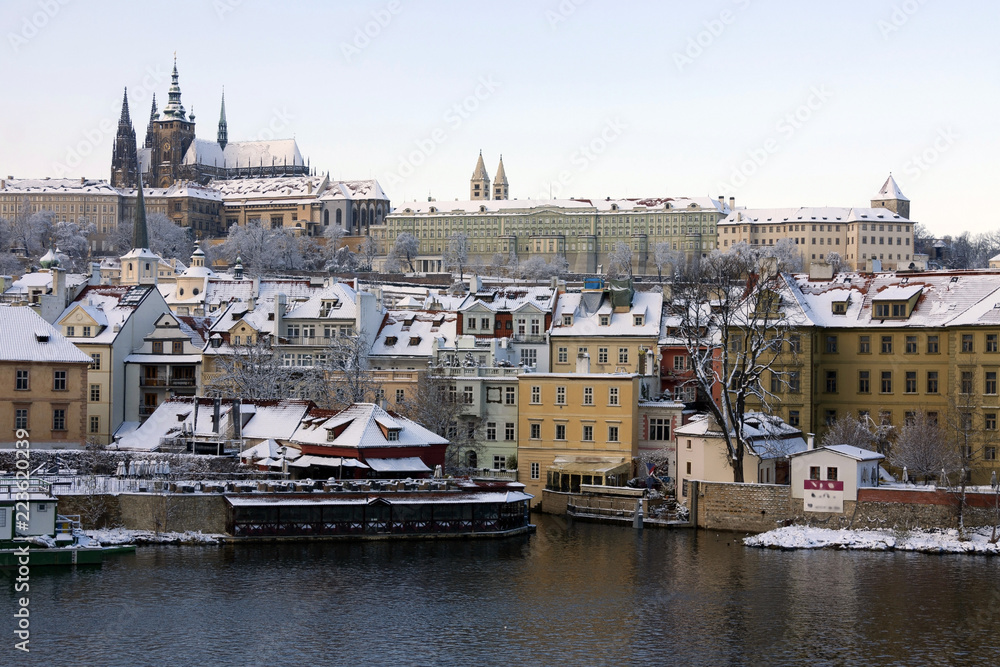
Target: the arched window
(339, 218)
(326, 218)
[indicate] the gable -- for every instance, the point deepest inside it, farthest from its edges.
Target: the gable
(77, 317)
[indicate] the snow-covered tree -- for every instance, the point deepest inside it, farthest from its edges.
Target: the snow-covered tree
(835, 261)
(168, 239)
(457, 253)
(620, 261)
(664, 256)
(74, 243)
(348, 377)
(403, 251)
(847, 430)
(924, 448)
(787, 253)
(252, 371)
(368, 252)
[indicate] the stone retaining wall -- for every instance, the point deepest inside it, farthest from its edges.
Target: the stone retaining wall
(763, 507)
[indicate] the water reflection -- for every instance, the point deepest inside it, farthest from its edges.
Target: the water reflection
(571, 594)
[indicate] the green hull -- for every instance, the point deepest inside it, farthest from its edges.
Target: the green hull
(9, 558)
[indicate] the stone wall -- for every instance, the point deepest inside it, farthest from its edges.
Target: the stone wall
(763, 507)
(149, 511)
(746, 507)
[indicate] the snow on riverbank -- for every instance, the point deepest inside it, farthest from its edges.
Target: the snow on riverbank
(111, 536)
(804, 537)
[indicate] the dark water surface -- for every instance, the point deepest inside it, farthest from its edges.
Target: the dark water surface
(573, 593)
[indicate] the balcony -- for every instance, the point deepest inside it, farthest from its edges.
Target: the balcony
(529, 338)
(152, 382)
(146, 410)
(181, 382)
(478, 372)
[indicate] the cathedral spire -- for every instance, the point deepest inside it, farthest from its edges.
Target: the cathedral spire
(479, 187)
(125, 119)
(223, 127)
(500, 186)
(140, 236)
(124, 165)
(174, 108)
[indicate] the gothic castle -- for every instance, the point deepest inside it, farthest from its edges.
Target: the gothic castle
(172, 153)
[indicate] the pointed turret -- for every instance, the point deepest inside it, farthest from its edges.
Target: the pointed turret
(154, 116)
(500, 186)
(479, 187)
(174, 108)
(223, 127)
(124, 162)
(892, 198)
(140, 235)
(140, 265)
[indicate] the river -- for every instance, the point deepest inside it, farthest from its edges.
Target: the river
(573, 593)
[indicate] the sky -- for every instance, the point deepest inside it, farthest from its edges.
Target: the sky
(776, 103)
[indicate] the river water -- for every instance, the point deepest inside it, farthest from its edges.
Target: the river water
(573, 593)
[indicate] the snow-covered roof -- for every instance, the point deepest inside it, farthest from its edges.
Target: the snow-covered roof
(587, 308)
(360, 426)
(577, 205)
(856, 453)
(109, 305)
(276, 152)
(890, 190)
(412, 333)
(946, 298)
(811, 215)
(43, 280)
(277, 420)
(351, 190)
(404, 464)
(27, 337)
(345, 306)
(511, 299)
(57, 185)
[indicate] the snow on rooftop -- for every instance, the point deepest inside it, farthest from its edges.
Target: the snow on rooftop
(27, 337)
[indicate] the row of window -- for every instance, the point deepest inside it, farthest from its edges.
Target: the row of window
(911, 342)
(58, 420)
(586, 432)
(588, 395)
(562, 354)
(932, 386)
(22, 379)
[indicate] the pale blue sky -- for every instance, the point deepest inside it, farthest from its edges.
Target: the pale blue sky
(887, 80)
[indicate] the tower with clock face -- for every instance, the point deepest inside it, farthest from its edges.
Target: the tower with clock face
(171, 134)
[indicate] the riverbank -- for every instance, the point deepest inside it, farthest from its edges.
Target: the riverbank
(113, 536)
(977, 541)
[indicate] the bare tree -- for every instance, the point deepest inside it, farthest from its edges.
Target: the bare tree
(848, 430)
(924, 448)
(347, 378)
(835, 261)
(168, 239)
(437, 406)
(369, 251)
(787, 253)
(732, 318)
(620, 261)
(457, 253)
(536, 268)
(252, 371)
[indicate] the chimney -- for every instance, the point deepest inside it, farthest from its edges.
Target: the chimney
(732, 203)
(237, 419)
(722, 201)
(810, 441)
(279, 314)
(59, 284)
(83, 180)
(583, 363)
(216, 407)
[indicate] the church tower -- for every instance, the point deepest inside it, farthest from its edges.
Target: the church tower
(479, 187)
(140, 265)
(172, 136)
(892, 198)
(124, 161)
(500, 187)
(223, 127)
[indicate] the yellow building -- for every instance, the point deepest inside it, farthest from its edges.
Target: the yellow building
(613, 327)
(589, 420)
(43, 383)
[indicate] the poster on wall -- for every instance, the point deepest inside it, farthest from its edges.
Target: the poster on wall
(823, 496)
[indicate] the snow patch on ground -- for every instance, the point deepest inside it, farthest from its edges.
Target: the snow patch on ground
(112, 536)
(947, 541)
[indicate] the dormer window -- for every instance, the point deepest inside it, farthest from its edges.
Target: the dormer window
(839, 307)
(414, 340)
(637, 320)
(157, 347)
(605, 320)
(392, 435)
(390, 341)
(331, 435)
(567, 320)
(86, 332)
